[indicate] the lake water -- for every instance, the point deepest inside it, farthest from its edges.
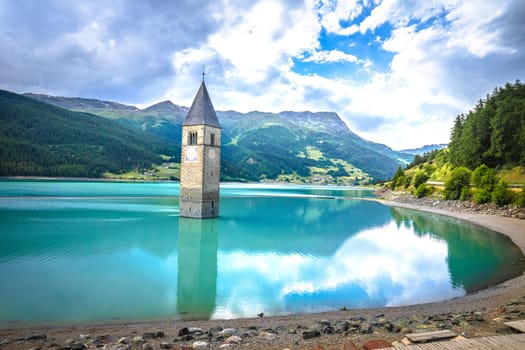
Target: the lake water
(96, 251)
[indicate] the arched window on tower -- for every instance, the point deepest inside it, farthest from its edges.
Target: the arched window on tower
(192, 138)
(212, 139)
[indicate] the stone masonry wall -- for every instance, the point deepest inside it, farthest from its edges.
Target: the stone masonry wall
(200, 178)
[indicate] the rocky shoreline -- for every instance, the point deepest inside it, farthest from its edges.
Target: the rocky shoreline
(327, 333)
(346, 331)
(510, 211)
(478, 314)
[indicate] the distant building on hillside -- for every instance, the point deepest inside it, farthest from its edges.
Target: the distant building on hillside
(200, 159)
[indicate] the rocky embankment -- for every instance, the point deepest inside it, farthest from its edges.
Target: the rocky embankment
(343, 330)
(510, 211)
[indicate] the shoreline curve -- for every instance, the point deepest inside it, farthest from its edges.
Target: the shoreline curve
(489, 299)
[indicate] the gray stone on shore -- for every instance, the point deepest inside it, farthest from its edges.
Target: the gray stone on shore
(266, 336)
(216, 329)
(190, 331)
(120, 347)
(78, 346)
(366, 328)
(234, 339)
(34, 337)
(311, 334)
(150, 335)
(102, 337)
(122, 340)
(352, 325)
(401, 323)
(200, 344)
(292, 330)
(228, 332)
(195, 330)
(138, 340)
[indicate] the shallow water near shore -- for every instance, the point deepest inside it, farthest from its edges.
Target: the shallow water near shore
(73, 251)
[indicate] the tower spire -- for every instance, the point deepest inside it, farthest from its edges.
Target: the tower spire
(203, 73)
(201, 111)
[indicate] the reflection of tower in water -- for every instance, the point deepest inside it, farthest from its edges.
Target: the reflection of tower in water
(197, 264)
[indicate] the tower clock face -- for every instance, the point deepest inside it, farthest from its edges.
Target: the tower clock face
(191, 153)
(211, 153)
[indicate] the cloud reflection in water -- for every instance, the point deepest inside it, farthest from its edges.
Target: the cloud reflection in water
(381, 266)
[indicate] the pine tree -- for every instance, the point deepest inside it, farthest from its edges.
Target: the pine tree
(395, 179)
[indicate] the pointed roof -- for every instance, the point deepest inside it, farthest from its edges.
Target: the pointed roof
(202, 111)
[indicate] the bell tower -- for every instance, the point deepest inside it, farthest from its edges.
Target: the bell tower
(200, 159)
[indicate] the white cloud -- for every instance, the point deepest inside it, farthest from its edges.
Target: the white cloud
(431, 74)
(442, 55)
(116, 51)
(330, 56)
(399, 13)
(249, 57)
(332, 13)
(401, 134)
(379, 15)
(253, 45)
(472, 27)
(418, 97)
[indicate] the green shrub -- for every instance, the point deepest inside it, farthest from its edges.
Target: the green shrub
(502, 195)
(485, 178)
(520, 198)
(478, 173)
(399, 173)
(466, 194)
(423, 190)
(429, 169)
(401, 181)
(420, 179)
(482, 196)
(408, 181)
(457, 185)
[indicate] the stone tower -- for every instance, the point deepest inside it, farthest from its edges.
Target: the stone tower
(200, 159)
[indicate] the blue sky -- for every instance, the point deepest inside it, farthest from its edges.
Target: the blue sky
(396, 71)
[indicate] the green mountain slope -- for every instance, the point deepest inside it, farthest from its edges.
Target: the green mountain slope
(305, 143)
(258, 145)
(40, 139)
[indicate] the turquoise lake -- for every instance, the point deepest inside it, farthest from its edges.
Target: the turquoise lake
(73, 251)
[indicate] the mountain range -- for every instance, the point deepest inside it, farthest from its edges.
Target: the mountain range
(424, 149)
(293, 146)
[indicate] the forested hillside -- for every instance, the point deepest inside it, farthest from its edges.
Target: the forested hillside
(493, 133)
(485, 156)
(39, 139)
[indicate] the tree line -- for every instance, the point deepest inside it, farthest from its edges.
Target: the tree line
(493, 133)
(489, 138)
